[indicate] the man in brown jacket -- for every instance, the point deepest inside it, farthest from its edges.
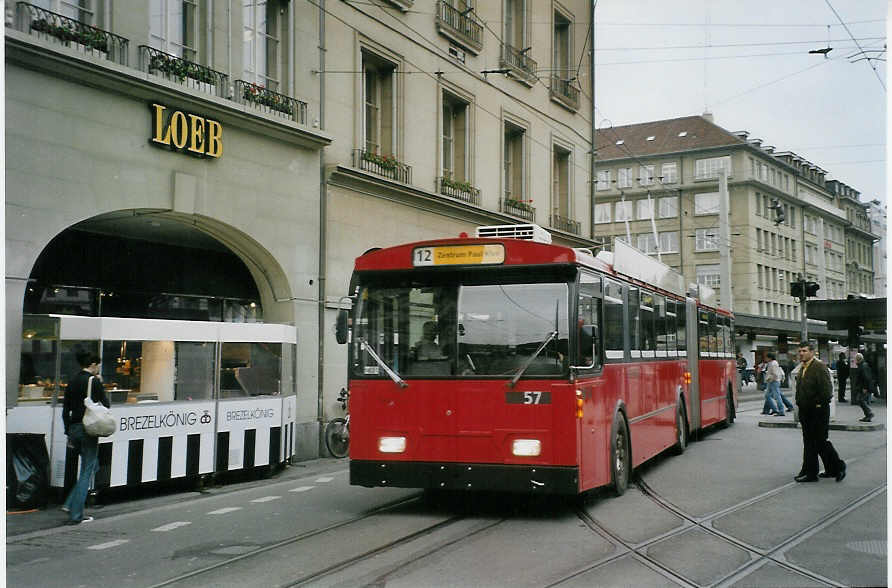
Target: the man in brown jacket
(813, 393)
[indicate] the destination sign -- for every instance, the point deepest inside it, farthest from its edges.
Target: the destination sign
(459, 255)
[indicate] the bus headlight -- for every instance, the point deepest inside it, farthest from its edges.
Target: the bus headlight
(526, 447)
(391, 444)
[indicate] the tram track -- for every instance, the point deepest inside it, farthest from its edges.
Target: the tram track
(758, 557)
(384, 508)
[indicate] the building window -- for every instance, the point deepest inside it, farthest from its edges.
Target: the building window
(623, 211)
(707, 203)
(669, 242)
(624, 177)
(646, 175)
(560, 182)
(379, 132)
(759, 278)
(563, 47)
(644, 209)
(515, 156)
(670, 173)
(455, 138)
(647, 243)
(515, 23)
(174, 27)
(602, 213)
(261, 44)
(709, 275)
(668, 207)
(706, 239)
(604, 179)
(709, 168)
(88, 12)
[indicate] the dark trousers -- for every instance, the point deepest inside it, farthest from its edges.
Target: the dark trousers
(861, 398)
(841, 395)
(815, 430)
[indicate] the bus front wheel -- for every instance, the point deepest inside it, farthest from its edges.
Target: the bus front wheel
(681, 429)
(620, 456)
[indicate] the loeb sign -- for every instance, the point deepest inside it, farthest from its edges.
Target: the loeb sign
(189, 133)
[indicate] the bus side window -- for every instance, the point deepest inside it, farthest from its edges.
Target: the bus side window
(681, 340)
(632, 309)
(646, 324)
(613, 320)
(588, 339)
(703, 331)
(661, 324)
(715, 341)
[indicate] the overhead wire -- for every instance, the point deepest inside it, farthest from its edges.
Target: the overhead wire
(869, 62)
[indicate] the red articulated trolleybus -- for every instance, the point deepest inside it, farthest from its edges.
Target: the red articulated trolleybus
(507, 363)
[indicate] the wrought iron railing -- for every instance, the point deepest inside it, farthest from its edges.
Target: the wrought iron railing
(565, 91)
(183, 71)
(517, 208)
(518, 61)
(565, 224)
(266, 100)
(458, 190)
(460, 23)
(383, 165)
(72, 33)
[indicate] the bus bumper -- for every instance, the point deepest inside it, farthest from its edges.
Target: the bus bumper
(466, 476)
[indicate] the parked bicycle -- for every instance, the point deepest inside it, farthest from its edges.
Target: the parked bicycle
(337, 431)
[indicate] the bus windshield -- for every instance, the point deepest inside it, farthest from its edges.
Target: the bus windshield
(461, 330)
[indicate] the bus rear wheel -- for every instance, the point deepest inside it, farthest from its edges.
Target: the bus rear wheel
(620, 458)
(681, 429)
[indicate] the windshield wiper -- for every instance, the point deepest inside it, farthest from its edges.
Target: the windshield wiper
(529, 360)
(393, 375)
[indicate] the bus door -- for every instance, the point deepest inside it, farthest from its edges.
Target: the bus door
(588, 362)
(693, 338)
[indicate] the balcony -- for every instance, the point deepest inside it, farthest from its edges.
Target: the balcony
(519, 64)
(459, 27)
(517, 208)
(71, 33)
(564, 92)
(267, 101)
(182, 71)
(565, 224)
(382, 165)
(458, 190)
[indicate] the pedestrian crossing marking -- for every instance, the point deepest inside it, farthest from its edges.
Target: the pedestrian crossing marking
(324, 479)
(266, 499)
(301, 488)
(109, 544)
(225, 510)
(171, 526)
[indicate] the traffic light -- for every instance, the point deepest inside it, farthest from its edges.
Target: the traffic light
(779, 215)
(796, 289)
(811, 289)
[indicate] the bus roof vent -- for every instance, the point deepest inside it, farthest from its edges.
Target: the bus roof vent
(528, 232)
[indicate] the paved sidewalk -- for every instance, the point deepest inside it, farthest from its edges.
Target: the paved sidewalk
(19, 524)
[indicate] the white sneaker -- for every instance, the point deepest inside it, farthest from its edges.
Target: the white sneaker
(87, 519)
(64, 508)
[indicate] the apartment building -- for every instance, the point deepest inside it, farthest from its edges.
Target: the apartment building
(877, 215)
(210, 170)
(657, 187)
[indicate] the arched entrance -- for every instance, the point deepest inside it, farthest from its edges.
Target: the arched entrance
(142, 264)
(199, 376)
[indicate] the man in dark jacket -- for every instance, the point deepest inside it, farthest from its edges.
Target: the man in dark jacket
(86, 445)
(814, 391)
(842, 375)
(862, 386)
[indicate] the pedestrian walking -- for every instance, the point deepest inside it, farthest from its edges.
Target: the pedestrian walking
(742, 368)
(774, 375)
(84, 382)
(842, 376)
(862, 386)
(814, 390)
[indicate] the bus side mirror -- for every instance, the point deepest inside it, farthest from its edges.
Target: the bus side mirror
(341, 327)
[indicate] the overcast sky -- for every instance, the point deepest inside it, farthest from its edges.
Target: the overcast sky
(829, 111)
